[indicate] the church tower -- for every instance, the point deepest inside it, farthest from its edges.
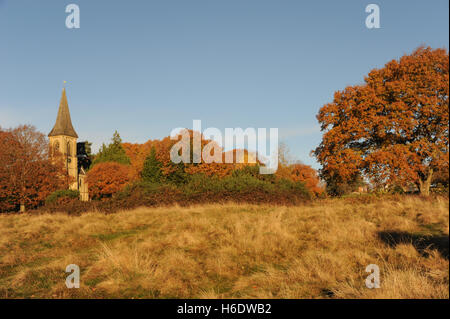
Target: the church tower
(63, 141)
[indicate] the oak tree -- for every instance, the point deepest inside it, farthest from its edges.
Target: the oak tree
(394, 128)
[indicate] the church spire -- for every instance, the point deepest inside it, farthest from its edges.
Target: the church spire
(63, 125)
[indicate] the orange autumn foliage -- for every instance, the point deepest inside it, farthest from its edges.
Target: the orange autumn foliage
(138, 153)
(241, 158)
(27, 172)
(301, 173)
(308, 175)
(107, 178)
(393, 129)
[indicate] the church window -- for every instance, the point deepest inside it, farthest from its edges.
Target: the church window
(56, 147)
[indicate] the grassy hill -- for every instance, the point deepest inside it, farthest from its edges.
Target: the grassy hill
(319, 250)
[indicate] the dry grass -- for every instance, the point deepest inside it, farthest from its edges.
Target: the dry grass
(319, 250)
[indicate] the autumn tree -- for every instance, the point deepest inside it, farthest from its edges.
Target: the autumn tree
(393, 129)
(8, 199)
(292, 169)
(308, 175)
(113, 152)
(106, 179)
(27, 173)
(137, 153)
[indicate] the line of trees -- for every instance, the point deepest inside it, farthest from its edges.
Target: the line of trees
(118, 164)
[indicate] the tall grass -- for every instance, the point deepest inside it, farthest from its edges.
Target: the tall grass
(317, 250)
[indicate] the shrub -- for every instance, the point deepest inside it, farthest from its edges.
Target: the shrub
(56, 196)
(243, 186)
(247, 183)
(140, 187)
(70, 206)
(253, 171)
(243, 182)
(297, 187)
(308, 175)
(106, 179)
(396, 189)
(200, 183)
(440, 188)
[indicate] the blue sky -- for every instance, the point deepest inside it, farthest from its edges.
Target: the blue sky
(146, 67)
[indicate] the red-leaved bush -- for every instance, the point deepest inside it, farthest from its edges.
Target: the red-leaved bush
(106, 179)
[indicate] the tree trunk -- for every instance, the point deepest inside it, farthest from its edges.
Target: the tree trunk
(424, 186)
(22, 206)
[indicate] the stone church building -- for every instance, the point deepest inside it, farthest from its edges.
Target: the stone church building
(63, 140)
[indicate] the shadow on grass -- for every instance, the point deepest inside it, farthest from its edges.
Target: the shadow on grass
(420, 242)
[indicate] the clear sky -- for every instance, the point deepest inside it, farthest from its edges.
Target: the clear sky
(146, 67)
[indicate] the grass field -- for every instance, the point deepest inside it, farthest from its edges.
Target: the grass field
(319, 250)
